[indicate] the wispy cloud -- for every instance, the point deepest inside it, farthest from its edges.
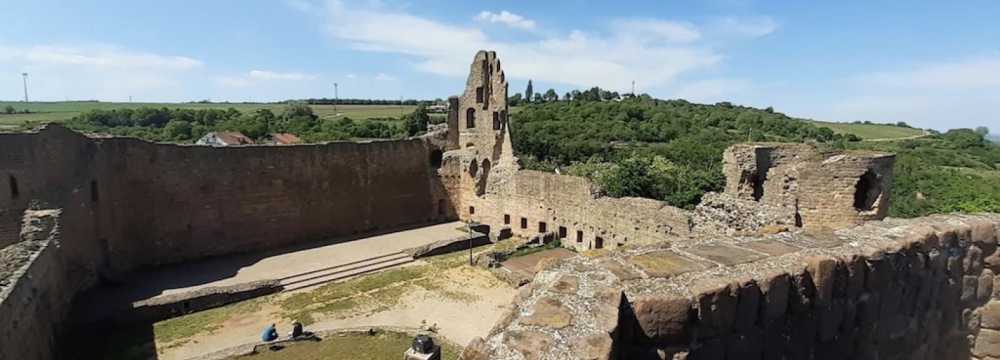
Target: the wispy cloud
(384, 77)
(506, 18)
(752, 27)
(610, 57)
(956, 93)
(98, 71)
(254, 77)
(272, 75)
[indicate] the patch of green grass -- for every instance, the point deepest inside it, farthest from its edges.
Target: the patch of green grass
(383, 345)
(870, 131)
(203, 321)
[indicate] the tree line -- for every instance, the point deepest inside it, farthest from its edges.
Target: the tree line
(188, 125)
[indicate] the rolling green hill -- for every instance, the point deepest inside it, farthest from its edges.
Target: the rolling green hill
(871, 131)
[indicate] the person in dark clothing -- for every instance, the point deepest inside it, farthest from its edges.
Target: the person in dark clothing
(296, 329)
(270, 333)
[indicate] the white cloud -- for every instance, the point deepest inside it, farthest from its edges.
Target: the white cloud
(752, 27)
(98, 56)
(95, 71)
(303, 5)
(655, 30)
(947, 94)
(351, 76)
(271, 75)
(656, 55)
(384, 77)
(711, 90)
(506, 18)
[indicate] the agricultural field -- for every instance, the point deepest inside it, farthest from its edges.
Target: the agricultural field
(64, 110)
(871, 131)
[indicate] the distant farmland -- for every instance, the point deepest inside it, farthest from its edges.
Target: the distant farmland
(871, 131)
(61, 111)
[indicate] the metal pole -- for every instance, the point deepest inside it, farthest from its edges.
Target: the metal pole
(336, 98)
(468, 228)
(24, 76)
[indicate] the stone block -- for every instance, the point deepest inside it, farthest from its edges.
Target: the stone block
(990, 315)
(716, 311)
(593, 347)
(776, 291)
(972, 263)
(532, 345)
(475, 350)
(664, 320)
(567, 284)
(624, 273)
(985, 289)
(747, 306)
(823, 270)
(970, 284)
(549, 312)
(771, 247)
(987, 343)
(724, 254)
(665, 264)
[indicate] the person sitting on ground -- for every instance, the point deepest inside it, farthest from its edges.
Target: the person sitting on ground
(270, 333)
(296, 329)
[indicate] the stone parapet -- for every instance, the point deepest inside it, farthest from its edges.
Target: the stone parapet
(908, 289)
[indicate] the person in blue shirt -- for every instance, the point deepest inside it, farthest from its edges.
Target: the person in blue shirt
(270, 333)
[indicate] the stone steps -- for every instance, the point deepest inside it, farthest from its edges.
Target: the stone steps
(343, 271)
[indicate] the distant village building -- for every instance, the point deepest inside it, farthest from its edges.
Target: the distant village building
(282, 139)
(224, 138)
(438, 108)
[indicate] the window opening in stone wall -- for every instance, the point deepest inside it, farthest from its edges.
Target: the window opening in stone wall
(470, 118)
(760, 175)
(506, 219)
(579, 236)
(14, 191)
(542, 227)
(481, 185)
(436, 158)
(94, 196)
(867, 192)
(473, 168)
(562, 232)
(524, 223)
(479, 95)
(496, 120)
(598, 243)
(472, 210)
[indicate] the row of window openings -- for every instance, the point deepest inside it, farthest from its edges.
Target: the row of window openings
(15, 190)
(543, 227)
(470, 119)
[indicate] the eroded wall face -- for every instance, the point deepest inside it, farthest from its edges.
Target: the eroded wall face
(133, 203)
(539, 202)
(824, 190)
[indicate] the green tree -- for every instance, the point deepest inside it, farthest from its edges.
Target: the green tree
(178, 130)
(9, 109)
(529, 92)
(416, 122)
(551, 95)
(514, 100)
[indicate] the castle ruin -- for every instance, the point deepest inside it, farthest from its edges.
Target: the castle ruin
(719, 282)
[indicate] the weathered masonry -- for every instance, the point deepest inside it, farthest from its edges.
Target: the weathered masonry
(899, 289)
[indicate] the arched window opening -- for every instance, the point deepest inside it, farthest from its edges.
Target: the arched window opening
(481, 184)
(473, 168)
(470, 118)
(496, 120)
(14, 190)
(436, 158)
(479, 95)
(867, 192)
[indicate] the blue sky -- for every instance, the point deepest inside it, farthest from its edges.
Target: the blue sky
(930, 63)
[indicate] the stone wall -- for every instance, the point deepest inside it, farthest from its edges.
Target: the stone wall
(143, 204)
(35, 292)
(897, 289)
(834, 189)
(537, 202)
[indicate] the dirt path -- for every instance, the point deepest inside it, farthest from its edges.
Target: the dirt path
(463, 301)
